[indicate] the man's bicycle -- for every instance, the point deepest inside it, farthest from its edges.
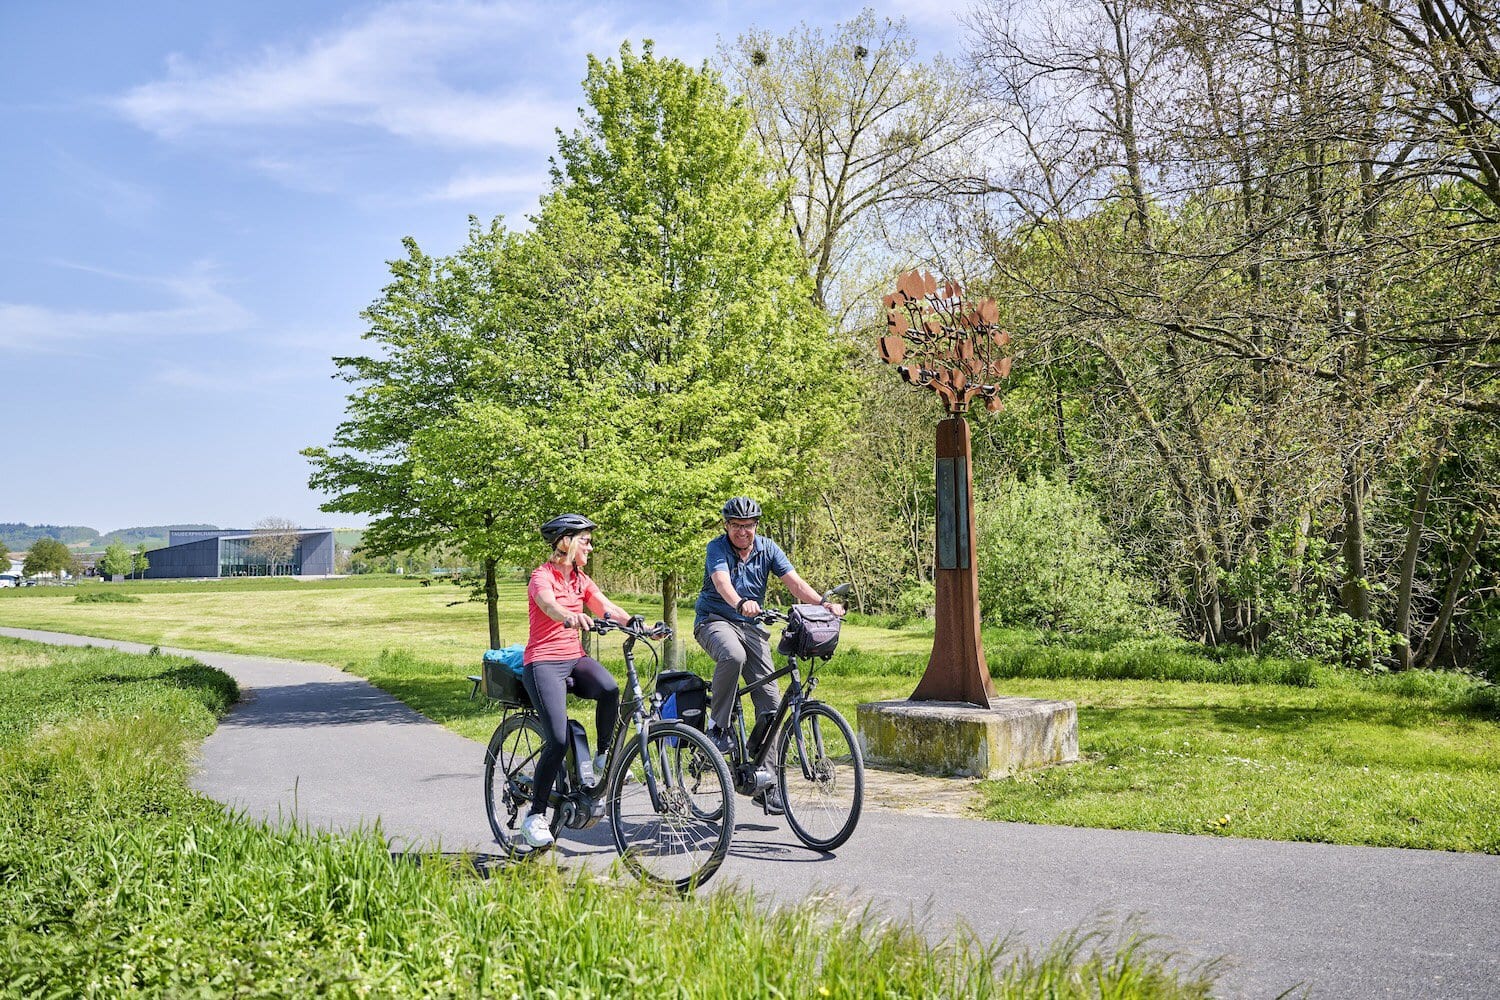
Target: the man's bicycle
(815, 760)
(667, 790)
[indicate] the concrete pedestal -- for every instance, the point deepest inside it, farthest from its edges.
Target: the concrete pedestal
(962, 739)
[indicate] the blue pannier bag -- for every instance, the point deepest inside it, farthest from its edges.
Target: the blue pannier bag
(502, 675)
(684, 696)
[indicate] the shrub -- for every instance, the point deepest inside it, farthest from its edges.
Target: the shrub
(106, 597)
(1046, 560)
(1293, 588)
(915, 602)
(1486, 625)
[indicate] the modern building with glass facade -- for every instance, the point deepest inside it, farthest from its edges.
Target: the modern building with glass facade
(228, 552)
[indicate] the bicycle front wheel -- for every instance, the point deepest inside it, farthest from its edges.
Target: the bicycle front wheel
(509, 767)
(679, 838)
(822, 776)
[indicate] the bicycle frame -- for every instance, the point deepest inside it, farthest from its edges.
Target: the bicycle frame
(790, 705)
(642, 720)
(571, 795)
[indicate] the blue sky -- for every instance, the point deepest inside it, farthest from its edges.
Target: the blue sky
(199, 198)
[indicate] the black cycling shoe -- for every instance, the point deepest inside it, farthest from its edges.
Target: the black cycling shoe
(720, 739)
(770, 800)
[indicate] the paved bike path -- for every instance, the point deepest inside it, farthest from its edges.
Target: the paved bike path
(314, 744)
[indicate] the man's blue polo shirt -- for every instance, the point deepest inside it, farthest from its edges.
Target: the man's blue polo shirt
(748, 575)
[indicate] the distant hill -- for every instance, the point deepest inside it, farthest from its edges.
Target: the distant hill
(153, 537)
(20, 537)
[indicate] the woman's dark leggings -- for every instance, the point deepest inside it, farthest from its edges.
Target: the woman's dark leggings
(547, 683)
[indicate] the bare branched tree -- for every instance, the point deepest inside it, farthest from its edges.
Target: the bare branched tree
(274, 540)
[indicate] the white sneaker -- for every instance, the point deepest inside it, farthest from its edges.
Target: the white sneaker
(535, 832)
(600, 762)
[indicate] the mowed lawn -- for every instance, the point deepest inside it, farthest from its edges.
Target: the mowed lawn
(1408, 761)
(331, 622)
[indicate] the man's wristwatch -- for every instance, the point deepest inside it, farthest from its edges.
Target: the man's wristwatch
(739, 605)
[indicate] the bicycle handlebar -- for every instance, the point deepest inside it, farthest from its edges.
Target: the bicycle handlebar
(635, 627)
(769, 615)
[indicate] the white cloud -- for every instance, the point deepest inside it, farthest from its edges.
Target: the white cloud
(196, 307)
(389, 71)
(469, 186)
(115, 197)
(228, 378)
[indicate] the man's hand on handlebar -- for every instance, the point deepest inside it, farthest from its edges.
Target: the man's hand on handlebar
(839, 591)
(750, 608)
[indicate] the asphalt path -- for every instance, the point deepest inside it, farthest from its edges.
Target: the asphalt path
(316, 746)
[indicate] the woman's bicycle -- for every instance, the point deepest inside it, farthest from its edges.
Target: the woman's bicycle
(817, 765)
(667, 790)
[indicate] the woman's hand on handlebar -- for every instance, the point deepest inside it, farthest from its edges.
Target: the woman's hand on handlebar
(635, 625)
(581, 621)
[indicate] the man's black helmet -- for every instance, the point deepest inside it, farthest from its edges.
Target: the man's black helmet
(741, 509)
(564, 525)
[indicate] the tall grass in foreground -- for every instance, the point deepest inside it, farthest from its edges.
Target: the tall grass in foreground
(116, 880)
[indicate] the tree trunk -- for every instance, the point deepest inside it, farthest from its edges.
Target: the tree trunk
(1409, 556)
(1064, 457)
(1434, 641)
(1355, 592)
(675, 655)
(492, 601)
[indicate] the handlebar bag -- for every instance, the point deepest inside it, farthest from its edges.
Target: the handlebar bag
(811, 630)
(684, 696)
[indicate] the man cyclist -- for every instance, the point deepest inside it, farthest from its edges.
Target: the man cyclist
(736, 569)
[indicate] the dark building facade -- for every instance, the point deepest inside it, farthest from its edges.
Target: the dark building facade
(229, 552)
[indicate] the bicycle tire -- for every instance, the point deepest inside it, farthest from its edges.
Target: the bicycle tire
(823, 810)
(509, 764)
(681, 846)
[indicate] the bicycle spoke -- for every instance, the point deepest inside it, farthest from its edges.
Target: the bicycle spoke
(510, 763)
(821, 774)
(682, 838)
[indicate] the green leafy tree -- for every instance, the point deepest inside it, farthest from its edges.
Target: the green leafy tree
(423, 337)
(433, 329)
(48, 555)
(138, 562)
(713, 373)
(117, 560)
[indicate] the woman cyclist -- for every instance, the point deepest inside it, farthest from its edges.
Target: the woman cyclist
(559, 600)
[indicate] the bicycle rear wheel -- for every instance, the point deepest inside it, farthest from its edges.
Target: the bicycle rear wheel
(681, 839)
(822, 776)
(509, 766)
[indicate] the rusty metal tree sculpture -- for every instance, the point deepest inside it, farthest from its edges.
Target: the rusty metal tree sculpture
(945, 343)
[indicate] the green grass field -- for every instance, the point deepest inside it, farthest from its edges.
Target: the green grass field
(1242, 747)
(117, 881)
